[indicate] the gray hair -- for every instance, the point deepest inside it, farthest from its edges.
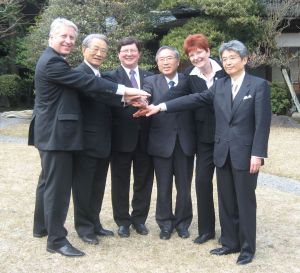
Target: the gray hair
(177, 55)
(59, 22)
(88, 39)
(236, 46)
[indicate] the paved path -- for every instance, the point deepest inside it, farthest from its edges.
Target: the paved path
(4, 122)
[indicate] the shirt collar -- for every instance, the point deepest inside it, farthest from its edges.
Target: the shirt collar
(239, 80)
(95, 70)
(127, 70)
(215, 67)
(175, 79)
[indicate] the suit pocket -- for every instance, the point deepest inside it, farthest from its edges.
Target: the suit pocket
(68, 123)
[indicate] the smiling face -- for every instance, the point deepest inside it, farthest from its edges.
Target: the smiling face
(63, 40)
(129, 56)
(167, 63)
(233, 63)
(199, 57)
(96, 53)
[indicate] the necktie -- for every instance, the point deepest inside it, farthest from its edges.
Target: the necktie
(98, 74)
(171, 84)
(133, 79)
(234, 90)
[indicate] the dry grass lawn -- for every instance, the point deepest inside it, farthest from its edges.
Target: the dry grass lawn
(278, 238)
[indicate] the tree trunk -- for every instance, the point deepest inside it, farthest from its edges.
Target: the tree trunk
(291, 88)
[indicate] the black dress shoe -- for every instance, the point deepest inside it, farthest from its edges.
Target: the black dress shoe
(165, 234)
(40, 234)
(244, 259)
(140, 229)
(123, 231)
(204, 238)
(183, 233)
(66, 250)
(90, 239)
(103, 232)
(223, 251)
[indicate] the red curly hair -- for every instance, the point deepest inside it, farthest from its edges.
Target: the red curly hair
(195, 41)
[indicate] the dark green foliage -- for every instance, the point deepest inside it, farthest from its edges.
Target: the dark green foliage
(128, 18)
(221, 20)
(280, 98)
(209, 27)
(9, 84)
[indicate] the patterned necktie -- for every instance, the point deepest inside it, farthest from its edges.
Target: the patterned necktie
(133, 79)
(171, 84)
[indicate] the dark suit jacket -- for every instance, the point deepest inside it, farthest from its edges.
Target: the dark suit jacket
(204, 116)
(125, 128)
(165, 127)
(57, 120)
(96, 117)
(241, 130)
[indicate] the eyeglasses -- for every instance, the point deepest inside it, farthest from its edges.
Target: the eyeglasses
(126, 51)
(96, 50)
(230, 58)
(165, 59)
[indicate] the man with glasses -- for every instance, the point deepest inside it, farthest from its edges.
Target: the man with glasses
(129, 142)
(91, 164)
(172, 144)
(56, 131)
(243, 116)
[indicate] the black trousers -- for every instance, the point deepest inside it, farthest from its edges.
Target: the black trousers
(88, 190)
(181, 167)
(237, 207)
(143, 174)
(204, 188)
(53, 195)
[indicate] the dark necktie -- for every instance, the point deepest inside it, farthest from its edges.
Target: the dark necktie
(171, 84)
(133, 79)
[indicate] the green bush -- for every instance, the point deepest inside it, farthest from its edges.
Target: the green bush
(9, 85)
(280, 98)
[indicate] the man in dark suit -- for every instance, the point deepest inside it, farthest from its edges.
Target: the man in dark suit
(129, 141)
(56, 131)
(243, 116)
(172, 145)
(91, 164)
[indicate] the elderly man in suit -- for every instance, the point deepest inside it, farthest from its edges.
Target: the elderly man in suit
(129, 142)
(243, 116)
(56, 131)
(91, 164)
(172, 144)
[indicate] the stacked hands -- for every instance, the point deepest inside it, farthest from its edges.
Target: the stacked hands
(139, 98)
(145, 110)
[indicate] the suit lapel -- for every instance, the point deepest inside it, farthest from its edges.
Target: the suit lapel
(124, 77)
(143, 75)
(87, 69)
(227, 98)
(244, 89)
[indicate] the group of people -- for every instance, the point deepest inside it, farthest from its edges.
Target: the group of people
(80, 125)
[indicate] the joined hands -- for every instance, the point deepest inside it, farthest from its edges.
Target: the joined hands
(147, 111)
